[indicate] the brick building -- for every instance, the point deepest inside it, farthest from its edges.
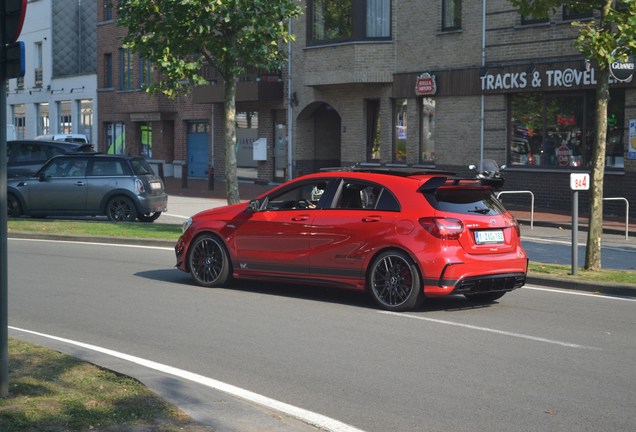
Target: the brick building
(448, 83)
(187, 132)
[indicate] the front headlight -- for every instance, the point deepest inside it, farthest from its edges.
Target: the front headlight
(186, 225)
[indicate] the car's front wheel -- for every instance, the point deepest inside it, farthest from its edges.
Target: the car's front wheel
(394, 281)
(209, 261)
(14, 209)
(121, 209)
(149, 217)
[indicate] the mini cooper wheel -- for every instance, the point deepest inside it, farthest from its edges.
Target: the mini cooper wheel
(149, 217)
(394, 282)
(485, 297)
(121, 209)
(209, 261)
(14, 209)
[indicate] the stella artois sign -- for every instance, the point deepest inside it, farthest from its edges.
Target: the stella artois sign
(425, 85)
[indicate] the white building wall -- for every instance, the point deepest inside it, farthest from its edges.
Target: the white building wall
(37, 29)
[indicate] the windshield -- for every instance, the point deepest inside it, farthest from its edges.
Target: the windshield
(479, 201)
(141, 167)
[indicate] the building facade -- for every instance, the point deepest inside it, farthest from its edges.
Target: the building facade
(59, 90)
(448, 83)
(185, 136)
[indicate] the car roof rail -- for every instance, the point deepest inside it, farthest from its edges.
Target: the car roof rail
(403, 170)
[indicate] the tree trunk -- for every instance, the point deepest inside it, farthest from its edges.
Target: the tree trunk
(594, 236)
(231, 178)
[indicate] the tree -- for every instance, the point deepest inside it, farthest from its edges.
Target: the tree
(610, 36)
(181, 37)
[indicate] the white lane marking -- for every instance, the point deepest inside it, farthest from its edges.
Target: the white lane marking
(309, 417)
(491, 330)
(176, 216)
(124, 245)
(626, 248)
(580, 293)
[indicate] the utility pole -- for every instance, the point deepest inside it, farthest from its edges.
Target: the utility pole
(12, 14)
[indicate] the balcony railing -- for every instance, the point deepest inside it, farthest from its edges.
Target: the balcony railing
(252, 74)
(38, 77)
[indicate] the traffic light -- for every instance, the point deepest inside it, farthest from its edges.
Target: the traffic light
(11, 52)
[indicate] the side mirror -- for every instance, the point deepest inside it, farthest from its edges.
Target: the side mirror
(42, 177)
(254, 205)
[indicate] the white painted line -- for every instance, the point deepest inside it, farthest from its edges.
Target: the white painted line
(124, 245)
(309, 417)
(176, 216)
(490, 330)
(580, 293)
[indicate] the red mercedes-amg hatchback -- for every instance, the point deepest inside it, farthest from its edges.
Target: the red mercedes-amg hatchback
(402, 234)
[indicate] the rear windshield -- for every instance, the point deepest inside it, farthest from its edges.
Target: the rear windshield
(465, 201)
(141, 167)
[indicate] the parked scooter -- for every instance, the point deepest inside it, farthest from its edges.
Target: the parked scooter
(491, 173)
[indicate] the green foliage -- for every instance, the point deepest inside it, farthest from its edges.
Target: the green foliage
(180, 37)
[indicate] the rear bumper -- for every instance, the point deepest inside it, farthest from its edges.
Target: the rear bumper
(152, 204)
(460, 278)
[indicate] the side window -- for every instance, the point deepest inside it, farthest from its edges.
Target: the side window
(358, 195)
(304, 196)
(107, 168)
(54, 151)
(57, 168)
(77, 168)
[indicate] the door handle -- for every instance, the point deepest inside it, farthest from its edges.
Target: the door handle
(371, 218)
(300, 218)
(80, 183)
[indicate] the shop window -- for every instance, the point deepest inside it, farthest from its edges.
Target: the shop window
(557, 130)
(65, 124)
(44, 125)
(400, 130)
(373, 129)
(86, 117)
(427, 130)
(350, 20)
(145, 136)
(115, 138)
(451, 15)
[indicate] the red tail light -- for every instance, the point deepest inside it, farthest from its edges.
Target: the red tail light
(516, 226)
(443, 228)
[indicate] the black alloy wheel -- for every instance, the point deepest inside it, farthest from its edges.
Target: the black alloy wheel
(394, 281)
(209, 262)
(121, 209)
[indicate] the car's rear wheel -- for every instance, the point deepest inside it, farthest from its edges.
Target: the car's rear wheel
(394, 281)
(149, 217)
(209, 261)
(14, 209)
(485, 297)
(121, 209)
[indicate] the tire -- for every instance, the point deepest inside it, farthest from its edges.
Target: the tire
(149, 217)
(394, 282)
(14, 208)
(209, 262)
(121, 209)
(485, 297)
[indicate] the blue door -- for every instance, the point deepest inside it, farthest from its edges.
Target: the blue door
(198, 154)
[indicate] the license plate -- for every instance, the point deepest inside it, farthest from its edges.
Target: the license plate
(494, 236)
(155, 185)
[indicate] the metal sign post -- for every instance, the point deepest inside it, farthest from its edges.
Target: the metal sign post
(578, 181)
(12, 14)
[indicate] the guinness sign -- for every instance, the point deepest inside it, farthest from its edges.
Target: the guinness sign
(623, 71)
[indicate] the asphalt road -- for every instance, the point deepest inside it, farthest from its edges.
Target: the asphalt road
(537, 360)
